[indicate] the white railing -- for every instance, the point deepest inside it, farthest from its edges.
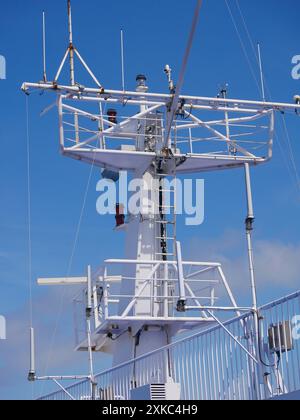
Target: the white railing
(159, 293)
(211, 365)
(283, 366)
(250, 135)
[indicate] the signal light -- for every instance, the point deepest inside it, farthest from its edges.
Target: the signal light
(112, 116)
(120, 217)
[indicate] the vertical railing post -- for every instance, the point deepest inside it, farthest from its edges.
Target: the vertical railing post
(89, 311)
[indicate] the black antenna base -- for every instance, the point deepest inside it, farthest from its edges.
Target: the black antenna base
(31, 377)
(181, 306)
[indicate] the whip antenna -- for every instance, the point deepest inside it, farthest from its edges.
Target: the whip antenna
(31, 376)
(122, 60)
(71, 47)
(44, 48)
(261, 73)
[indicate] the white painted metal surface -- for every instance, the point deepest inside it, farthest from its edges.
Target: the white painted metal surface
(132, 307)
(160, 295)
(210, 365)
(64, 281)
(200, 144)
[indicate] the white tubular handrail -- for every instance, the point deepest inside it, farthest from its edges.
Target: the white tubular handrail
(214, 366)
(84, 135)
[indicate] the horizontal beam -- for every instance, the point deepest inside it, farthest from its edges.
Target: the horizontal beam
(224, 121)
(208, 106)
(113, 279)
(64, 281)
(217, 308)
(62, 378)
(145, 262)
(142, 297)
(190, 100)
(157, 320)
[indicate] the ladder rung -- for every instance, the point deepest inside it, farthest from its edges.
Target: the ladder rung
(165, 222)
(170, 191)
(164, 254)
(166, 238)
(165, 207)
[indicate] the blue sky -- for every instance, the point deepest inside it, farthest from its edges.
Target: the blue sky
(155, 34)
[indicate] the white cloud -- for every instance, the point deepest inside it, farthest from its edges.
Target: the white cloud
(276, 263)
(277, 270)
(59, 359)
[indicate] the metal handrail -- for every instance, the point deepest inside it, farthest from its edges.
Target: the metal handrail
(234, 370)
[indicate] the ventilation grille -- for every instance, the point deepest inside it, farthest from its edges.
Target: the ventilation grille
(158, 392)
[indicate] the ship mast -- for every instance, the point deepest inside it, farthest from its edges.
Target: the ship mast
(158, 298)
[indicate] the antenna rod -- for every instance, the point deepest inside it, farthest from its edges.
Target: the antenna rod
(71, 47)
(89, 292)
(44, 48)
(181, 304)
(261, 73)
(122, 60)
(31, 376)
(89, 311)
(249, 228)
(224, 95)
(72, 66)
(70, 22)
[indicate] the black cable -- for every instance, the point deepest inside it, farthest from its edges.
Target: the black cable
(190, 112)
(259, 343)
(136, 344)
(168, 351)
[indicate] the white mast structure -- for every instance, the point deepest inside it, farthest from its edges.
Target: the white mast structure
(166, 134)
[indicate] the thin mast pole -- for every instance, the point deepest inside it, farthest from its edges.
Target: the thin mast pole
(249, 229)
(122, 60)
(89, 311)
(44, 48)
(72, 66)
(31, 376)
(71, 47)
(257, 370)
(261, 73)
(224, 95)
